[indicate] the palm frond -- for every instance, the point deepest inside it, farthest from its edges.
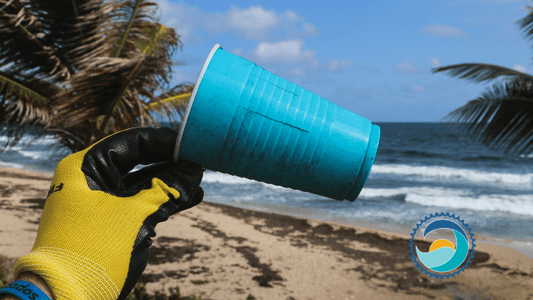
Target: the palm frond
(98, 62)
(132, 15)
(172, 104)
(126, 99)
(24, 40)
(24, 104)
(177, 101)
(481, 72)
(108, 94)
(94, 90)
(502, 116)
(108, 29)
(126, 25)
(70, 26)
(526, 24)
(160, 38)
(137, 37)
(157, 46)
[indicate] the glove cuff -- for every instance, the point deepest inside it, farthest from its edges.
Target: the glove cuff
(24, 290)
(69, 275)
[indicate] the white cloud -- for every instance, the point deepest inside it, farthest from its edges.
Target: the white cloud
(298, 71)
(407, 67)
(237, 51)
(290, 55)
(310, 29)
(290, 16)
(254, 22)
(253, 18)
(443, 30)
(296, 25)
(284, 52)
(185, 19)
(520, 68)
(278, 35)
(434, 62)
(418, 88)
(335, 65)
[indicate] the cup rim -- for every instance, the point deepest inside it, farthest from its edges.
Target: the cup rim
(191, 101)
(368, 161)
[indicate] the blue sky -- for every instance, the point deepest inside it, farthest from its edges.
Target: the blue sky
(370, 57)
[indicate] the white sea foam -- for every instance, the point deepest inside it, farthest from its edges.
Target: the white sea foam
(11, 165)
(432, 196)
(41, 149)
(459, 199)
(216, 177)
(425, 173)
(44, 140)
(36, 154)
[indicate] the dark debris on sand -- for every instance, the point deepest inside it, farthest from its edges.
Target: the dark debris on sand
(392, 266)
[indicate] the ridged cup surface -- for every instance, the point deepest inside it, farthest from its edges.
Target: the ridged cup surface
(248, 122)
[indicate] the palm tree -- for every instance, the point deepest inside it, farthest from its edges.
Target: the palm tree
(83, 69)
(502, 117)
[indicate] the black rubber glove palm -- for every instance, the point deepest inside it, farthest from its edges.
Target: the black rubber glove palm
(95, 231)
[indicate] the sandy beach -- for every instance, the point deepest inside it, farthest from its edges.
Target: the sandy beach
(223, 252)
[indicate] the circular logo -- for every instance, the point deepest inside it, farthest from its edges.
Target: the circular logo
(444, 258)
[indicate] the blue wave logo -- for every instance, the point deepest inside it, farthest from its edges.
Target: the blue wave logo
(443, 256)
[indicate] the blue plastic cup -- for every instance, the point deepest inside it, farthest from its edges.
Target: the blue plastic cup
(245, 121)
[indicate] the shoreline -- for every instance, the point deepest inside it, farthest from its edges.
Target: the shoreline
(522, 246)
(237, 252)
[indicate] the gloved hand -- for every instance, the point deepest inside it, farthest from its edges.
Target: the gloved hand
(96, 227)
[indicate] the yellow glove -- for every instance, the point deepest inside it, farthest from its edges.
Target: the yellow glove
(95, 231)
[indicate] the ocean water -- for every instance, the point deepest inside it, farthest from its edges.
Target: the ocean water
(420, 169)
